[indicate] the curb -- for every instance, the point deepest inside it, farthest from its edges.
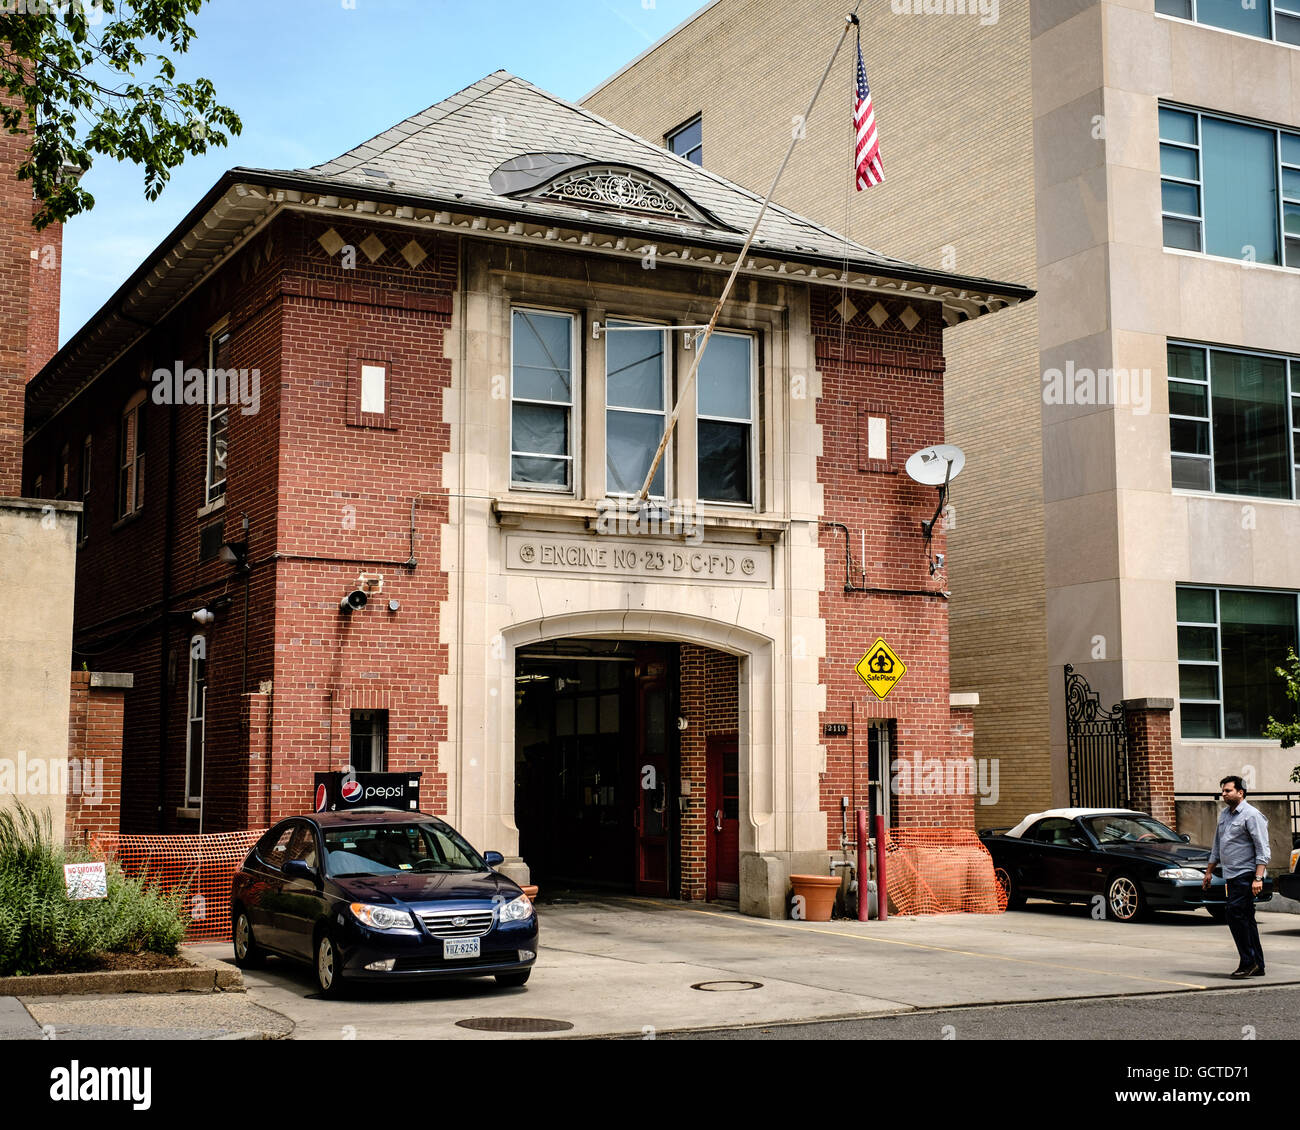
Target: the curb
(205, 975)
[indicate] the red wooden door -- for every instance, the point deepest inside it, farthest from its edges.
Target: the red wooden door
(652, 816)
(722, 793)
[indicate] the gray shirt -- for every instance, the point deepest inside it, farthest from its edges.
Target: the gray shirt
(1240, 840)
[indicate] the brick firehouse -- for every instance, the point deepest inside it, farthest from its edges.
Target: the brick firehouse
(358, 444)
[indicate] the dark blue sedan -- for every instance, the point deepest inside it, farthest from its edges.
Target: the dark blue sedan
(380, 895)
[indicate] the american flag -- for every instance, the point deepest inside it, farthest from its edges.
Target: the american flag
(870, 169)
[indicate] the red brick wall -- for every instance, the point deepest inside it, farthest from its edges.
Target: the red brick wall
(94, 798)
(864, 366)
(46, 279)
(325, 500)
(15, 298)
(1151, 762)
(710, 697)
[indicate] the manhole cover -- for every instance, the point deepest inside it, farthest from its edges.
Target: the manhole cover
(514, 1024)
(727, 986)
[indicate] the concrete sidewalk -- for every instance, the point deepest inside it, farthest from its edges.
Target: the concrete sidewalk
(618, 966)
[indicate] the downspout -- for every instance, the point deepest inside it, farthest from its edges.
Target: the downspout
(164, 644)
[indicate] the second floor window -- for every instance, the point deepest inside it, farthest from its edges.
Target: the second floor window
(130, 457)
(635, 398)
(1229, 188)
(725, 427)
(83, 518)
(541, 400)
(218, 416)
(1234, 421)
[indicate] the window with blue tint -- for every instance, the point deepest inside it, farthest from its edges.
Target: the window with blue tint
(688, 141)
(1241, 202)
(635, 402)
(541, 409)
(1286, 21)
(1180, 184)
(1180, 8)
(1291, 197)
(1250, 17)
(1220, 189)
(725, 425)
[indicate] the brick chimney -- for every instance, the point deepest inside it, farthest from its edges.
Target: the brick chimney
(31, 265)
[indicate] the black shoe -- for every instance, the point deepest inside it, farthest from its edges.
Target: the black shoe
(1246, 971)
(1257, 971)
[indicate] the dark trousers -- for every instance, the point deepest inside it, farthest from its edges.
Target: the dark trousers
(1241, 921)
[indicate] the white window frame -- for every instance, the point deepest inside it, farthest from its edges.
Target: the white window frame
(193, 796)
(666, 341)
(753, 423)
(574, 405)
(214, 488)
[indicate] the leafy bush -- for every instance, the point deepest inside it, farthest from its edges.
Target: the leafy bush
(43, 931)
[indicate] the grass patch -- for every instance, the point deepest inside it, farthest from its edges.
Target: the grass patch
(43, 931)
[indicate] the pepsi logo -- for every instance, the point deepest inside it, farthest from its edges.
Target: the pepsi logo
(351, 790)
(322, 798)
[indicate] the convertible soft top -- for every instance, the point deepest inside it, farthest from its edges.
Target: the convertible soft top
(1068, 814)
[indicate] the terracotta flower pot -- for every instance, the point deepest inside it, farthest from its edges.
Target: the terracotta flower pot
(817, 893)
(530, 891)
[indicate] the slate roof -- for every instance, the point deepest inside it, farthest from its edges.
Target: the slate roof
(448, 152)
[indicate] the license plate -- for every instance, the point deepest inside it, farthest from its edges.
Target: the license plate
(464, 947)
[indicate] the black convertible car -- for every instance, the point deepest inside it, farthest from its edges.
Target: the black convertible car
(1129, 859)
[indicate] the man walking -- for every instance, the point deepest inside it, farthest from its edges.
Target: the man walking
(1241, 845)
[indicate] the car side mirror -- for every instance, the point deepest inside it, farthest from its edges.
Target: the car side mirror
(1185, 838)
(493, 858)
(300, 869)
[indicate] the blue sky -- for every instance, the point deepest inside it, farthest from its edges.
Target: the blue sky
(312, 78)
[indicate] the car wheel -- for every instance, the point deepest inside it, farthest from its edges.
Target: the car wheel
(1125, 901)
(1218, 913)
(1015, 900)
(329, 966)
(248, 954)
(513, 980)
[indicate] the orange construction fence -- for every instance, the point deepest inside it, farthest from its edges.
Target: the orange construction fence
(201, 866)
(940, 871)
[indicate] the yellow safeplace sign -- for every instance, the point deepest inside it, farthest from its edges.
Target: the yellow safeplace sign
(880, 668)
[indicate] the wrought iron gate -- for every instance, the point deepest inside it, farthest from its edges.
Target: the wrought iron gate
(1097, 743)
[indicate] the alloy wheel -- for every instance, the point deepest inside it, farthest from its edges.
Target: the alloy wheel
(1123, 898)
(325, 963)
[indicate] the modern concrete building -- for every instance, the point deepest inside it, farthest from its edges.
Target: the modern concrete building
(394, 409)
(1130, 499)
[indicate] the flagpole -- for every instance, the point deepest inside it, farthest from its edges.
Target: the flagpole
(851, 20)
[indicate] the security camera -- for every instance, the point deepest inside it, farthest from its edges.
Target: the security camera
(202, 616)
(353, 602)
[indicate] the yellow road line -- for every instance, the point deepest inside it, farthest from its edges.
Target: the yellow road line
(922, 946)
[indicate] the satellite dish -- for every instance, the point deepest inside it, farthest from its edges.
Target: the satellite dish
(936, 466)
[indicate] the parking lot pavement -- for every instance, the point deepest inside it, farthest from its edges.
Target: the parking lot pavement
(624, 966)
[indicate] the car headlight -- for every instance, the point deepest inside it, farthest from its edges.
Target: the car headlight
(1181, 873)
(382, 917)
(517, 910)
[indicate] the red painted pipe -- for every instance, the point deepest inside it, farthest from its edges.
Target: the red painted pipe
(864, 873)
(882, 891)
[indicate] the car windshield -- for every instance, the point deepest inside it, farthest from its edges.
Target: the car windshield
(1130, 829)
(388, 848)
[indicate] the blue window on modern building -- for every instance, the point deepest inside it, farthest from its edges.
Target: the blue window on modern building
(1230, 642)
(1229, 188)
(1267, 19)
